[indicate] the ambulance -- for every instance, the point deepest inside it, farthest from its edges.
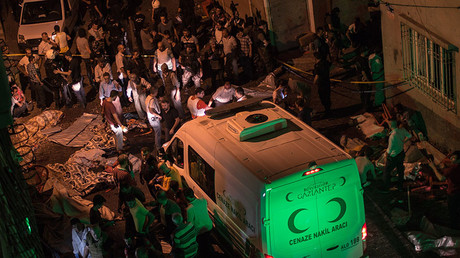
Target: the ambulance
(275, 187)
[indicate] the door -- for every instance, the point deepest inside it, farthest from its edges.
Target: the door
(292, 220)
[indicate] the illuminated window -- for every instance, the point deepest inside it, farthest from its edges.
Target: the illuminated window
(429, 67)
(202, 173)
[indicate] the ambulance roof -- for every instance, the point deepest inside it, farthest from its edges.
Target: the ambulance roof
(271, 156)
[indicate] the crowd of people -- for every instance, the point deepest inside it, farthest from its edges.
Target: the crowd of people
(160, 72)
(182, 51)
(175, 216)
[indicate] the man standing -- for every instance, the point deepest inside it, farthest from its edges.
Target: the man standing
(167, 208)
(24, 76)
(395, 154)
(137, 89)
(197, 214)
(101, 68)
(76, 82)
(188, 38)
(153, 115)
(191, 65)
(162, 56)
(230, 51)
(112, 117)
(377, 71)
(171, 119)
(138, 20)
(246, 53)
(184, 238)
(223, 95)
(322, 81)
(172, 89)
(79, 233)
(196, 105)
(45, 45)
(61, 39)
(105, 89)
(122, 62)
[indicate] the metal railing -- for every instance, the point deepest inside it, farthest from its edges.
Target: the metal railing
(429, 67)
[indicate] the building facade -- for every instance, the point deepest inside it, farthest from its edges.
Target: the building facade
(287, 19)
(420, 46)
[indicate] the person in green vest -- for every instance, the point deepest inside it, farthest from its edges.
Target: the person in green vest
(377, 71)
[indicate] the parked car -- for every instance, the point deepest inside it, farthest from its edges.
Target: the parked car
(38, 16)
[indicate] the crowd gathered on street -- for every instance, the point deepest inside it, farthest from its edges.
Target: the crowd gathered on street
(161, 72)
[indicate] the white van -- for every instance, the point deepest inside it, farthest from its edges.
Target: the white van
(275, 187)
(38, 16)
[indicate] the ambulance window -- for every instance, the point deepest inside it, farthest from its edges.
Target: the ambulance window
(202, 173)
(176, 150)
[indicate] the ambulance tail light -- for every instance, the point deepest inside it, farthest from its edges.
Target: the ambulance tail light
(309, 172)
(364, 232)
(268, 256)
(364, 236)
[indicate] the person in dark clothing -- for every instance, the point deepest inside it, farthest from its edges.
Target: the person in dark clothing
(75, 81)
(125, 191)
(95, 218)
(149, 169)
(170, 117)
(138, 20)
(451, 173)
(322, 81)
(167, 208)
(320, 45)
(304, 111)
(362, 66)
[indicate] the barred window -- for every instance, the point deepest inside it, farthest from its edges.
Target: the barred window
(429, 67)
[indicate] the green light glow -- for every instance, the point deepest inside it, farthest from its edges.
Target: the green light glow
(28, 226)
(263, 128)
(319, 211)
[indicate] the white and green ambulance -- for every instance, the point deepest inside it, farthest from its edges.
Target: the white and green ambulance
(275, 187)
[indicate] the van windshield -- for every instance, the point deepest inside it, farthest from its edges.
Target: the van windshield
(41, 11)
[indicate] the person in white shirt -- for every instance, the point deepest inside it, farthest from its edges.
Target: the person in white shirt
(137, 92)
(79, 233)
(395, 154)
(61, 39)
(45, 45)
(365, 166)
(154, 115)
(239, 94)
(223, 95)
(162, 56)
(96, 31)
(196, 105)
(101, 68)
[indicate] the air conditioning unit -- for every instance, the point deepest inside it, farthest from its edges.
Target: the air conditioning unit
(248, 125)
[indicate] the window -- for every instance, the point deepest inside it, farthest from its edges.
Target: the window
(429, 67)
(176, 150)
(41, 11)
(202, 173)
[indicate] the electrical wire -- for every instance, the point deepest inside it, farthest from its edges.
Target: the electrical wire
(421, 6)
